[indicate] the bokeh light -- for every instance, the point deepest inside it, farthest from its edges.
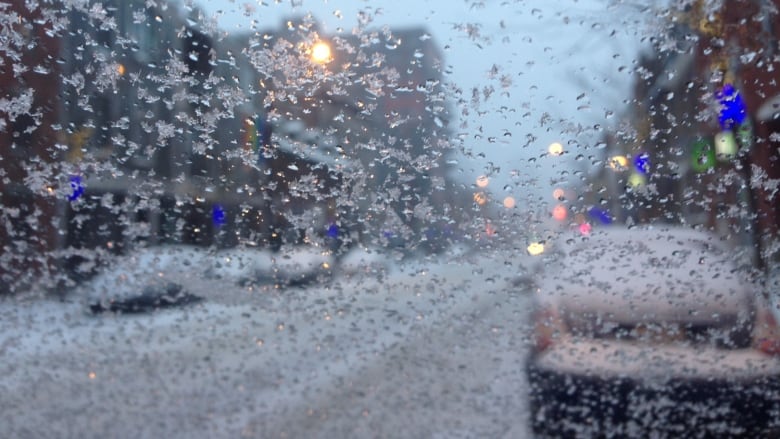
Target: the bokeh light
(320, 52)
(558, 194)
(509, 202)
(483, 181)
(726, 144)
(333, 231)
(601, 215)
(702, 156)
(480, 198)
(636, 180)
(535, 248)
(618, 163)
(642, 163)
(560, 213)
(585, 229)
(555, 149)
(732, 108)
(77, 188)
(218, 215)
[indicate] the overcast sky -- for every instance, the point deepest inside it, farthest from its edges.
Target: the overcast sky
(563, 61)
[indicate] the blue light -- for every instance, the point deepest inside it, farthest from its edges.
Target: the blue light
(333, 231)
(642, 163)
(77, 188)
(602, 215)
(732, 108)
(218, 215)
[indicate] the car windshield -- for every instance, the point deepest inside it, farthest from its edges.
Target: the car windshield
(331, 218)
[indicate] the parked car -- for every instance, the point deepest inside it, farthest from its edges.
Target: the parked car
(654, 331)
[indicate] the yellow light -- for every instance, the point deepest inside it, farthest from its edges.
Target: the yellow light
(509, 202)
(120, 68)
(555, 149)
(535, 248)
(618, 163)
(725, 145)
(320, 52)
(558, 194)
(636, 180)
(482, 181)
(480, 198)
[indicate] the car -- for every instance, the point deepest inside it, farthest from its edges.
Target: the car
(652, 332)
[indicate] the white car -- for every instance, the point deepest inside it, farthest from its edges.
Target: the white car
(649, 332)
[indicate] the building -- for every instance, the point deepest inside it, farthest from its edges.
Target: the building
(697, 144)
(159, 129)
(374, 104)
(30, 109)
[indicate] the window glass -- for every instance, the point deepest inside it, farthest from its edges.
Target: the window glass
(395, 219)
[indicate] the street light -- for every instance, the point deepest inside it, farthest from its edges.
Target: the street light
(321, 53)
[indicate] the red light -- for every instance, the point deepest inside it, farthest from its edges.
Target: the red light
(766, 336)
(585, 229)
(560, 213)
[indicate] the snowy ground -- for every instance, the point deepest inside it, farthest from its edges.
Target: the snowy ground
(369, 349)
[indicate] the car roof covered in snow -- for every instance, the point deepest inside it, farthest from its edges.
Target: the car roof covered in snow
(646, 274)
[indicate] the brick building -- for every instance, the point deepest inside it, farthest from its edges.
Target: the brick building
(29, 156)
(704, 166)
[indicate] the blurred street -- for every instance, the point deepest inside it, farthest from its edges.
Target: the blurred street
(428, 349)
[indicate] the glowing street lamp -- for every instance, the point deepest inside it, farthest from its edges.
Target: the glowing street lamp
(321, 53)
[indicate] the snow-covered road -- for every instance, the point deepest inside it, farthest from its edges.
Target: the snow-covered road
(426, 349)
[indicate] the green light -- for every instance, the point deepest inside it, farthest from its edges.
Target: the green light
(702, 156)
